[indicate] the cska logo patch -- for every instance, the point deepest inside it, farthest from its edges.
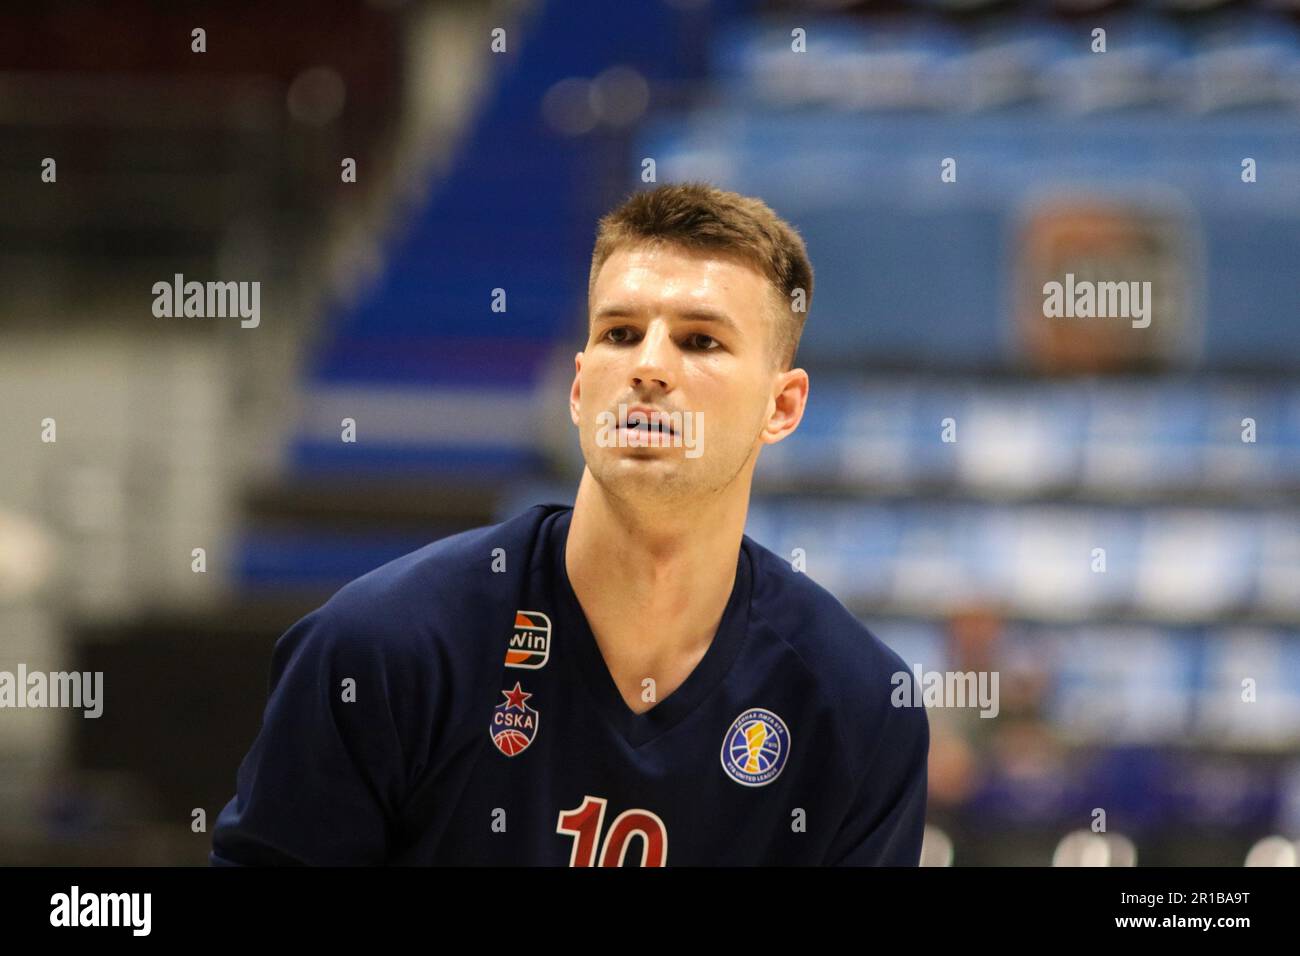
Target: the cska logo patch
(514, 723)
(530, 644)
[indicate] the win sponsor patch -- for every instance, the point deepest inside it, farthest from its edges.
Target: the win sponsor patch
(530, 643)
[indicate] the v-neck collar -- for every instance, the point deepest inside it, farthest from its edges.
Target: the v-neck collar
(638, 729)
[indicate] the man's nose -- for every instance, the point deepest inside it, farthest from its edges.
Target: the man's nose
(654, 357)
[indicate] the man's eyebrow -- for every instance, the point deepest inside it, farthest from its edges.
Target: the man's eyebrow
(697, 314)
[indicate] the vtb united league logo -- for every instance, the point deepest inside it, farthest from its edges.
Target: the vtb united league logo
(755, 748)
(514, 723)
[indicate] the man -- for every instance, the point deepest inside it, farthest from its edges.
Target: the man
(628, 681)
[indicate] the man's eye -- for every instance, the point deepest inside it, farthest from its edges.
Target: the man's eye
(698, 340)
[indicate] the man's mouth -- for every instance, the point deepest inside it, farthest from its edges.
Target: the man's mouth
(642, 426)
(648, 421)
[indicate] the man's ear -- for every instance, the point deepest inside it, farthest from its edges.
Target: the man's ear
(790, 397)
(575, 390)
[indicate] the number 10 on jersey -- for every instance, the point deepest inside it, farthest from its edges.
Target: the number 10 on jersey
(584, 825)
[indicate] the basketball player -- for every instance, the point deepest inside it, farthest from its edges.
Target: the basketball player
(628, 681)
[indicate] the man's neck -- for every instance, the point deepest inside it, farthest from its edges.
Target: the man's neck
(653, 588)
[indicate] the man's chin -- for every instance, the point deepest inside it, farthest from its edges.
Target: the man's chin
(666, 455)
(648, 473)
(633, 463)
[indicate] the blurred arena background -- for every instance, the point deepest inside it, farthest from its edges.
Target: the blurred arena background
(478, 170)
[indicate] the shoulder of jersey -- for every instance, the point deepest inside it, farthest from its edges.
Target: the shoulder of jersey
(854, 666)
(444, 589)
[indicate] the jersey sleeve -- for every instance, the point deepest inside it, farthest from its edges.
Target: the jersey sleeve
(886, 822)
(326, 775)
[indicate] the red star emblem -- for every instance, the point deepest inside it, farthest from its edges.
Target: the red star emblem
(515, 698)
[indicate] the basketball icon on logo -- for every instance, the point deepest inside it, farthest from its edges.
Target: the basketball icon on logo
(514, 723)
(755, 748)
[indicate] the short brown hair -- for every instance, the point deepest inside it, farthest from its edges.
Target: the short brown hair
(699, 216)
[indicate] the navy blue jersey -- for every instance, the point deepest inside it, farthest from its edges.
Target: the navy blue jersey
(452, 707)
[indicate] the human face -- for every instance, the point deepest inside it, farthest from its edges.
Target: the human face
(680, 331)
